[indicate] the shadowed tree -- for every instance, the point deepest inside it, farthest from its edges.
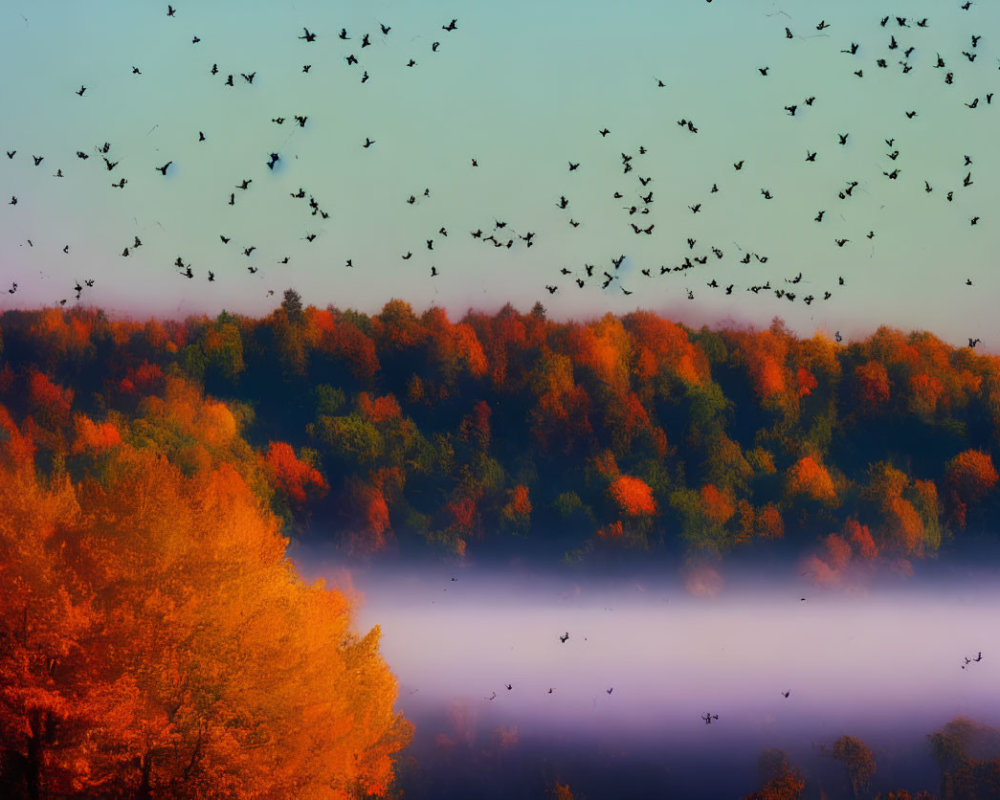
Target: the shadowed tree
(859, 761)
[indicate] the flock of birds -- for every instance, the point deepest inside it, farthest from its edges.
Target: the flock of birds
(708, 716)
(892, 47)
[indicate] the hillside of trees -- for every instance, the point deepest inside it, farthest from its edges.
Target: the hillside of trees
(511, 431)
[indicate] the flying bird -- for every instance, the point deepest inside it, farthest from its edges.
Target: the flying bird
(162, 170)
(308, 35)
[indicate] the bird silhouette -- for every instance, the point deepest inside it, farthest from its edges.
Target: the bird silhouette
(453, 25)
(785, 694)
(162, 170)
(709, 717)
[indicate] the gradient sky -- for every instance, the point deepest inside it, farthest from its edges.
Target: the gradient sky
(523, 87)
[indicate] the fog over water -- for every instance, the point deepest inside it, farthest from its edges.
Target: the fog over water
(880, 658)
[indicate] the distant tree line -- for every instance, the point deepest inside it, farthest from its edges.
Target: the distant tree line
(504, 430)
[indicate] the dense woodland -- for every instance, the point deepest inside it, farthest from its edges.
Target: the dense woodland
(400, 430)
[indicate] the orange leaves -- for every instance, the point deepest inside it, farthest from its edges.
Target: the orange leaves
(49, 403)
(769, 378)
(762, 523)
(632, 496)
(612, 531)
(718, 506)
(769, 524)
(295, 478)
(466, 345)
(604, 464)
(475, 426)
(561, 411)
(453, 347)
(970, 476)
(93, 436)
(660, 344)
(381, 409)
(809, 478)
(369, 501)
(764, 353)
(861, 539)
(347, 342)
(925, 393)
(517, 510)
(602, 347)
(519, 502)
(156, 635)
(144, 380)
(463, 513)
(872, 383)
(806, 382)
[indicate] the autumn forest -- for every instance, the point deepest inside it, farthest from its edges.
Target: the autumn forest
(155, 639)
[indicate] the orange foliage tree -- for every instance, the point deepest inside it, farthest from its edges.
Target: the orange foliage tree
(155, 642)
(517, 510)
(809, 478)
(872, 382)
(633, 496)
(969, 476)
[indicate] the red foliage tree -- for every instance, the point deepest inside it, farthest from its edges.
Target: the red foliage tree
(633, 496)
(381, 409)
(295, 478)
(48, 402)
(872, 383)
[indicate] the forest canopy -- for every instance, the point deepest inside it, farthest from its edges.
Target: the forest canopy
(407, 429)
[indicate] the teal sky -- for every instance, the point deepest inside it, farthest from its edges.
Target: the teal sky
(523, 87)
